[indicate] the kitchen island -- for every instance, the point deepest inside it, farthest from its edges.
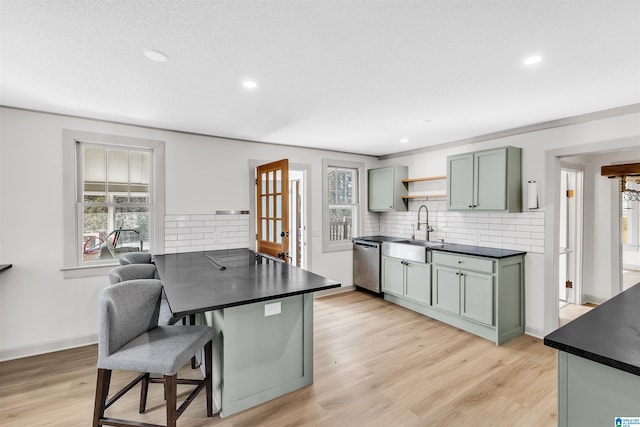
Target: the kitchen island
(262, 313)
(599, 363)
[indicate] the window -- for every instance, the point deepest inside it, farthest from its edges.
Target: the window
(115, 204)
(341, 201)
(114, 196)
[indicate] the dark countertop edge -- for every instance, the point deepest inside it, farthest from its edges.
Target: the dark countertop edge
(607, 361)
(483, 251)
(4, 267)
(460, 249)
(179, 314)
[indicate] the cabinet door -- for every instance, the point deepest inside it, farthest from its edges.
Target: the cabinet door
(446, 289)
(460, 189)
(392, 276)
(477, 297)
(381, 189)
(418, 282)
(490, 169)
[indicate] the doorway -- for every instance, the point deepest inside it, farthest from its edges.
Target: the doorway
(299, 245)
(570, 243)
(630, 236)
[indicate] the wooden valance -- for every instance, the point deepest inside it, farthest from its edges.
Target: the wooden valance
(628, 169)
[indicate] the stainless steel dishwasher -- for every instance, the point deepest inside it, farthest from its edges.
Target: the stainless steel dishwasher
(366, 265)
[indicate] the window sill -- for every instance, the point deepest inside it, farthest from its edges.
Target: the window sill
(87, 271)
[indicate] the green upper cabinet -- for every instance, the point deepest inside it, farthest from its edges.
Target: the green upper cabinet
(489, 180)
(386, 189)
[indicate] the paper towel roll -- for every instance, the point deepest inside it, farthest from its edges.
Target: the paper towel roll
(532, 195)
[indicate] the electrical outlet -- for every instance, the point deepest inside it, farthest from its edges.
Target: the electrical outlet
(272, 309)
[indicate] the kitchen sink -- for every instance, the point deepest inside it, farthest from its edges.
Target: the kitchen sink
(410, 250)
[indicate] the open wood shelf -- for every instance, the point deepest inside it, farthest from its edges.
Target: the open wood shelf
(426, 178)
(425, 196)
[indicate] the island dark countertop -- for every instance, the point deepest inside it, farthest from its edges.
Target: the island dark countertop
(202, 281)
(609, 334)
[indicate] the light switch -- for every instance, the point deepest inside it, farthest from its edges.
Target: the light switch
(272, 309)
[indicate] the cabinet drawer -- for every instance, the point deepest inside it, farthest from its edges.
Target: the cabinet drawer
(463, 262)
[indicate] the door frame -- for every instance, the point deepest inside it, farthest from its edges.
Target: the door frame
(306, 218)
(552, 178)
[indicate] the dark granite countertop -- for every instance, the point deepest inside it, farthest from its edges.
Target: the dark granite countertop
(4, 267)
(450, 247)
(476, 250)
(202, 281)
(608, 334)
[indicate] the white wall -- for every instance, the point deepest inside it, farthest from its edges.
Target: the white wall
(40, 310)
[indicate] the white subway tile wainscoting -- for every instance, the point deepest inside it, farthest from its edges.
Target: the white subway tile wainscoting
(198, 232)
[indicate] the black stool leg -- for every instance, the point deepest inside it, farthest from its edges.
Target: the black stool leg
(144, 389)
(171, 391)
(102, 391)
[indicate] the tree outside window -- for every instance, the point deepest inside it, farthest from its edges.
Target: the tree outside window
(342, 200)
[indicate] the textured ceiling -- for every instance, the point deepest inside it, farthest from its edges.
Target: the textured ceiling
(353, 76)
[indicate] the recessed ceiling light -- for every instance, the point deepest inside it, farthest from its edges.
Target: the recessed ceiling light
(249, 84)
(532, 60)
(156, 55)
(404, 140)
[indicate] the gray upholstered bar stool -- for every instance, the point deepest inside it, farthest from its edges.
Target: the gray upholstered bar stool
(135, 258)
(130, 339)
(127, 272)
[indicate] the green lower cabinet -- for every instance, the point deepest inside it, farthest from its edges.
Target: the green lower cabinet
(446, 289)
(418, 282)
(392, 276)
(483, 296)
(477, 297)
(407, 279)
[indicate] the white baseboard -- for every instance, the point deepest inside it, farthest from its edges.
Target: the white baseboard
(534, 332)
(593, 299)
(48, 347)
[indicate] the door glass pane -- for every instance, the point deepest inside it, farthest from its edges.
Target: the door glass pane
(278, 181)
(270, 182)
(279, 206)
(263, 180)
(264, 206)
(271, 231)
(278, 231)
(264, 235)
(271, 205)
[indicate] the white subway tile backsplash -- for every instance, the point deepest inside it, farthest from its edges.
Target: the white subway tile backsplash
(198, 232)
(208, 217)
(176, 218)
(516, 231)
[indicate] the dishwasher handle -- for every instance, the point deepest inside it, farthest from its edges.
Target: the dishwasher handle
(366, 245)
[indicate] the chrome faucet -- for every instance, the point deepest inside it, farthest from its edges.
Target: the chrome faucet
(429, 228)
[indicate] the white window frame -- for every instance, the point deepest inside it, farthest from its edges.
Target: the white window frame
(343, 245)
(73, 266)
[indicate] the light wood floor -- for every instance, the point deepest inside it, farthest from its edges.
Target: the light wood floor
(376, 364)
